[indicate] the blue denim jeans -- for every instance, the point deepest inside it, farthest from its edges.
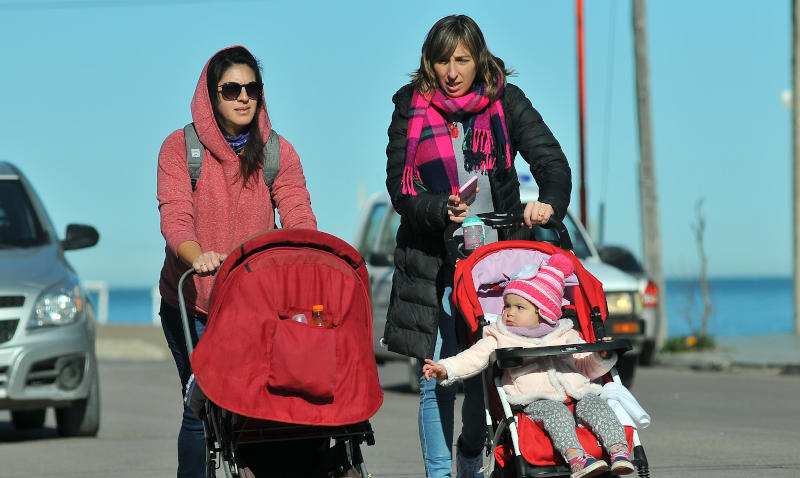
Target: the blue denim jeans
(191, 438)
(437, 404)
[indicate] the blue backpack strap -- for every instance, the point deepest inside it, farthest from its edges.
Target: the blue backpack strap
(194, 153)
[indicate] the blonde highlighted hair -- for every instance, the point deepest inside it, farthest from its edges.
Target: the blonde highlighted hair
(441, 42)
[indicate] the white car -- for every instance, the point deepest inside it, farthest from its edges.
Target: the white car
(375, 240)
(47, 327)
(623, 259)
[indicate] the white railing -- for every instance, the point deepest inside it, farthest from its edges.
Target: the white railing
(101, 287)
(155, 299)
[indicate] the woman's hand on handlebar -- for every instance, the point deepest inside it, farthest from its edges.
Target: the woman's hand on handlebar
(208, 263)
(537, 213)
(457, 210)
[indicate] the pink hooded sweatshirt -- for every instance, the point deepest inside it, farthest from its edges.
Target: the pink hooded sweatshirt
(222, 212)
(551, 377)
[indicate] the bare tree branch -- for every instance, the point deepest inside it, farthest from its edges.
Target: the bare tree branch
(699, 229)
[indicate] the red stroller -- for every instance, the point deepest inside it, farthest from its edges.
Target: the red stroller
(517, 446)
(269, 378)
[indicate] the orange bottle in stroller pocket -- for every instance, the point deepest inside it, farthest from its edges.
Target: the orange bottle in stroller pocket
(318, 317)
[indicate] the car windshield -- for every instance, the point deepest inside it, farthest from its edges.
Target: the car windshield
(19, 225)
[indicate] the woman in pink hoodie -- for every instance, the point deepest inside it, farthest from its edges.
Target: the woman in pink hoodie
(229, 203)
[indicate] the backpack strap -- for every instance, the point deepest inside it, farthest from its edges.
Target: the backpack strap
(272, 158)
(194, 156)
(194, 153)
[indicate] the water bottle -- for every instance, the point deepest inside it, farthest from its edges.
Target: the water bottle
(300, 318)
(318, 318)
(473, 233)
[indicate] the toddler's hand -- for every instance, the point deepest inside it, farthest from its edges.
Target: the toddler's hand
(606, 354)
(433, 369)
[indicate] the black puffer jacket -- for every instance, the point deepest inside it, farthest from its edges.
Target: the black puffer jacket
(421, 274)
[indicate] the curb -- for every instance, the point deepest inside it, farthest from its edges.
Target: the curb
(720, 361)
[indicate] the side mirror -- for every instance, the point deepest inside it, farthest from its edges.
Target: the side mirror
(79, 236)
(380, 259)
(620, 258)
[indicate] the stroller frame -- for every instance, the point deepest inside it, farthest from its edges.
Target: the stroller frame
(506, 429)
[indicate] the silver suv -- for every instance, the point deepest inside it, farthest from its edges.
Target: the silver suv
(47, 326)
(375, 240)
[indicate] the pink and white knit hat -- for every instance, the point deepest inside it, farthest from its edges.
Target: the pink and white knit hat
(546, 288)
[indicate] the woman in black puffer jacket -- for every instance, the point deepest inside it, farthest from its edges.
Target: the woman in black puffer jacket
(457, 118)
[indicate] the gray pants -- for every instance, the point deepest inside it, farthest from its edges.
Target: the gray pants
(559, 423)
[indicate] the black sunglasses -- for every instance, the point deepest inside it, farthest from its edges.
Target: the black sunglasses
(230, 91)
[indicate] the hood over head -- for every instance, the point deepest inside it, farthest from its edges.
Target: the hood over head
(206, 124)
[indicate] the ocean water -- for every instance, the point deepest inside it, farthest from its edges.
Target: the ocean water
(739, 307)
(127, 305)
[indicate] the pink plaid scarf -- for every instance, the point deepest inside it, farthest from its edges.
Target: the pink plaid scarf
(429, 153)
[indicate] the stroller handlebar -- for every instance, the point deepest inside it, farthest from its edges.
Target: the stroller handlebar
(511, 357)
(184, 316)
(500, 221)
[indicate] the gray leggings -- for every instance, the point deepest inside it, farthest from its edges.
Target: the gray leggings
(559, 423)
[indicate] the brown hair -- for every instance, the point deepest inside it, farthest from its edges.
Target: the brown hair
(441, 42)
(251, 158)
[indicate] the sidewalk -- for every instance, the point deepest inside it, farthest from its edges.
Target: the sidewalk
(131, 342)
(782, 351)
(778, 351)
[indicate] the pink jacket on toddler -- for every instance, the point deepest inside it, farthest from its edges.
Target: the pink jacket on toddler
(551, 378)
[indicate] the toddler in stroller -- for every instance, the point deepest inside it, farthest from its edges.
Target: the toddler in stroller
(278, 390)
(530, 318)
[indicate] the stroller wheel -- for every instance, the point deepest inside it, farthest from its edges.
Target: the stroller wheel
(211, 467)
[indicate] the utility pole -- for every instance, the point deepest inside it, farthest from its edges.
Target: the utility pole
(651, 235)
(581, 111)
(796, 161)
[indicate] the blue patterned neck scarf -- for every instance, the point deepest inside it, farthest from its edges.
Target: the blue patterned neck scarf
(237, 142)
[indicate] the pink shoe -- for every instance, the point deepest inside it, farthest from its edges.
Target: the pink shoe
(620, 460)
(586, 466)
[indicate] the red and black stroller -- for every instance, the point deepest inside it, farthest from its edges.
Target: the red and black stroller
(275, 385)
(517, 447)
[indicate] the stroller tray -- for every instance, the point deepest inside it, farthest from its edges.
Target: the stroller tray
(511, 357)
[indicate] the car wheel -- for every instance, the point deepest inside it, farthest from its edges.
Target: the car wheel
(626, 368)
(413, 375)
(28, 419)
(648, 354)
(82, 418)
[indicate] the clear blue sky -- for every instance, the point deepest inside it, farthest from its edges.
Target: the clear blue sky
(92, 88)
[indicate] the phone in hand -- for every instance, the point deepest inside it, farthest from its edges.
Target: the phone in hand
(467, 191)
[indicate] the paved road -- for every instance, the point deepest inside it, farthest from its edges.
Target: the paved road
(705, 424)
